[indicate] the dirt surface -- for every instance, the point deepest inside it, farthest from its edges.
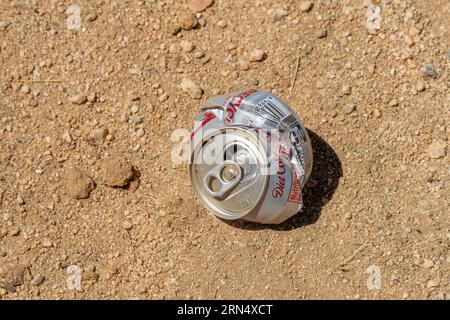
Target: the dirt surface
(374, 95)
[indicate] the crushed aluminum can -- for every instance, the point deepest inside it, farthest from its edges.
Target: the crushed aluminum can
(250, 157)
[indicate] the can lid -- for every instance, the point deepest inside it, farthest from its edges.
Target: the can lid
(229, 172)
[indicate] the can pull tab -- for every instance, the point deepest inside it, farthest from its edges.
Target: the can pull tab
(222, 179)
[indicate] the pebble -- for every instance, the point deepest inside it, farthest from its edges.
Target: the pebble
(279, 14)
(202, 21)
(91, 17)
(413, 31)
(91, 97)
(174, 29)
(437, 150)
(78, 99)
(428, 264)
(191, 88)
(136, 147)
(420, 87)
(25, 89)
(116, 172)
(349, 108)
(221, 24)
(127, 225)
(20, 200)
(187, 21)
(134, 109)
(37, 280)
(305, 6)
(346, 90)
(99, 135)
(46, 243)
(173, 114)
(257, 55)
(78, 184)
(393, 103)
(14, 274)
(429, 71)
(136, 119)
(139, 133)
(244, 65)
(123, 117)
(4, 25)
(321, 33)
(187, 46)
(377, 113)
(199, 5)
(163, 97)
(15, 231)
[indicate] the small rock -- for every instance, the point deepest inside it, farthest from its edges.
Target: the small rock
(4, 25)
(321, 33)
(135, 119)
(37, 280)
(202, 21)
(25, 89)
(7, 286)
(163, 97)
(20, 200)
(13, 274)
(349, 108)
(99, 135)
(78, 184)
(257, 55)
(393, 103)
(244, 65)
(174, 29)
(134, 109)
(221, 24)
(413, 31)
(305, 6)
(280, 14)
(91, 17)
(420, 87)
(429, 71)
(139, 133)
(123, 117)
(92, 97)
(173, 114)
(191, 88)
(199, 5)
(346, 90)
(136, 147)
(46, 243)
(90, 276)
(15, 231)
(78, 99)
(116, 172)
(187, 46)
(428, 264)
(187, 21)
(437, 150)
(127, 225)
(377, 113)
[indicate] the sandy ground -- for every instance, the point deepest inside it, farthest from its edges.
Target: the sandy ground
(91, 205)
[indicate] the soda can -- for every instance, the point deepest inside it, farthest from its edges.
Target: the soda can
(250, 157)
